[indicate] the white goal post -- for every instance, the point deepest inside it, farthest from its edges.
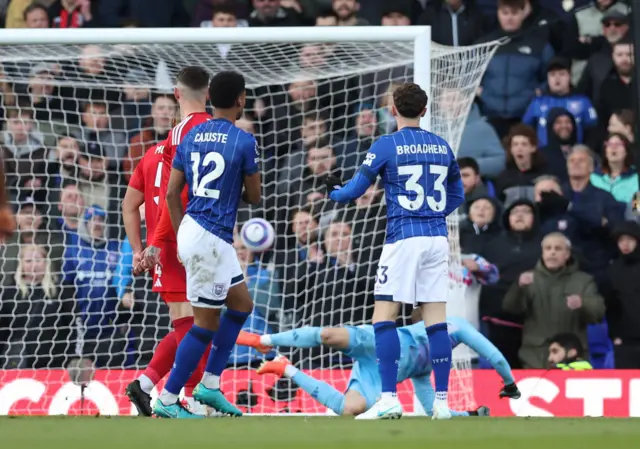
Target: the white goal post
(317, 97)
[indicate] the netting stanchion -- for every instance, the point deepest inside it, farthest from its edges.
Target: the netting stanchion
(317, 99)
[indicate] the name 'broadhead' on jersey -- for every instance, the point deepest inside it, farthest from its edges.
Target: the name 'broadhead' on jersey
(215, 157)
(417, 168)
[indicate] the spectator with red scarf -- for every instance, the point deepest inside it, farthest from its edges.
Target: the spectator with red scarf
(71, 14)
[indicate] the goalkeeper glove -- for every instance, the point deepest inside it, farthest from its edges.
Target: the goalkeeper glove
(333, 183)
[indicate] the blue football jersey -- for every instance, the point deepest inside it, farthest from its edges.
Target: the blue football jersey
(215, 157)
(418, 170)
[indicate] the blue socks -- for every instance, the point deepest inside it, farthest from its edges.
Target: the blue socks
(230, 325)
(305, 337)
(320, 391)
(440, 345)
(188, 355)
(388, 354)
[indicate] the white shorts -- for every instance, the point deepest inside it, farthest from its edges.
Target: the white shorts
(211, 265)
(414, 271)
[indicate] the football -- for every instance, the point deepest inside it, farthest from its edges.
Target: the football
(257, 235)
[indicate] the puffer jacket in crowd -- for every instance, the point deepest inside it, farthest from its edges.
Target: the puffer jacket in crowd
(543, 304)
(514, 73)
(622, 187)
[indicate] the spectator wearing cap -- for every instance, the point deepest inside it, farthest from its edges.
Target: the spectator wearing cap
(561, 137)
(481, 223)
(87, 271)
(584, 32)
(554, 288)
(157, 127)
(72, 13)
(396, 15)
(615, 28)
(617, 88)
(270, 13)
(454, 22)
(36, 324)
(23, 146)
(560, 94)
(595, 211)
(96, 127)
(623, 306)
(516, 70)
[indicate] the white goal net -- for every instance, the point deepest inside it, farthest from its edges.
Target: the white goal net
(66, 286)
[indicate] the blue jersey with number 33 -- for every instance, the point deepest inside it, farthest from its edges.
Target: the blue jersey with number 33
(418, 169)
(215, 157)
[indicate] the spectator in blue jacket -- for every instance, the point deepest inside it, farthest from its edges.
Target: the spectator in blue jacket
(596, 213)
(87, 271)
(516, 71)
(617, 175)
(560, 94)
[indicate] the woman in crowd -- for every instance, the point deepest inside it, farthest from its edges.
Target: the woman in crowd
(617, 175)
(36, 325)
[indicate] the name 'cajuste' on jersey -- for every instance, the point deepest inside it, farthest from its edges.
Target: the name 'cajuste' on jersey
(215, 156)
(417, 168)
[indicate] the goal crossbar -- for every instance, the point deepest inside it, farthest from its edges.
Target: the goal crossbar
(211, 35)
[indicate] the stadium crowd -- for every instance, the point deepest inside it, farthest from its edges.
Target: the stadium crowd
(546, 158)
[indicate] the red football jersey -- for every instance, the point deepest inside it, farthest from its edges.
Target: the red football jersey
(171, 277)
(146, 179)
(165, 229)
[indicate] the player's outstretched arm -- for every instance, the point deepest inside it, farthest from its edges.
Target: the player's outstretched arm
(466, 334)
(177, 182)
(352, 190)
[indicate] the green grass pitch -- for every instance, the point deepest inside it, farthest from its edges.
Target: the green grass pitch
(317, 432)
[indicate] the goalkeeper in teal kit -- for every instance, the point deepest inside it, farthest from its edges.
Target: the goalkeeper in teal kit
(364, 386)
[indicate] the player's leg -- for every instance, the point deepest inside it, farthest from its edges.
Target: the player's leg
(463, 332)
(391, 289)
(432, 290)
(228, 283)
(197, 251)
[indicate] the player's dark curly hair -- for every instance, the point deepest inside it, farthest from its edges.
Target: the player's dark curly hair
(193, 77)
(410, 100)
(225, 88)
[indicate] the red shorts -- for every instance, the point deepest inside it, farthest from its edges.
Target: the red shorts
(170, 278)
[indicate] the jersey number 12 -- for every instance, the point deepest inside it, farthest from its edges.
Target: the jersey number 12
(199, 187)
(413, 184)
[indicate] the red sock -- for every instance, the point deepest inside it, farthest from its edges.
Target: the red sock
(163, 357)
